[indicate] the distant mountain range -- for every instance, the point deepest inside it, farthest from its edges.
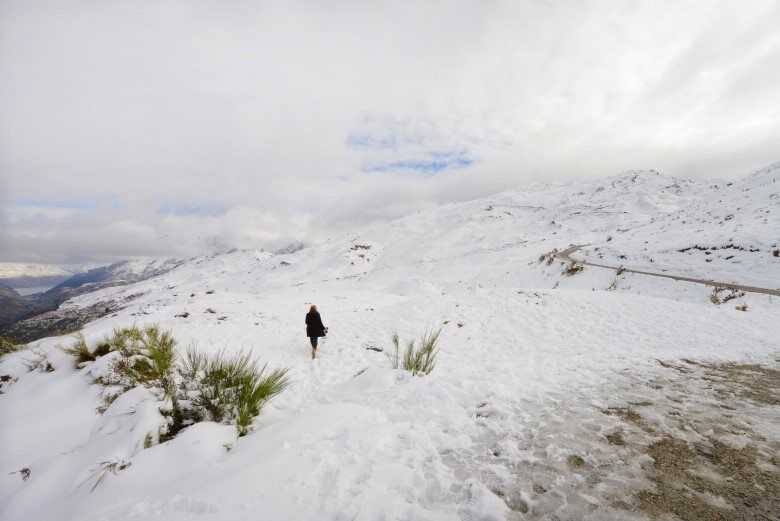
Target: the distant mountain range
(17, 275)
(15, 307)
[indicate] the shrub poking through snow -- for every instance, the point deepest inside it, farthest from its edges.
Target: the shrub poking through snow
(572, 268)
(230, 389)
(714, 296)
(7, 346)
(548, 257)
(103, 469)
(418, 360)
(37, 360)
(80, 352)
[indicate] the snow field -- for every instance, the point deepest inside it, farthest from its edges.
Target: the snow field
(510, 425)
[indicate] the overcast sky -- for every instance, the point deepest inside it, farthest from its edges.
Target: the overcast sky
(164, 127)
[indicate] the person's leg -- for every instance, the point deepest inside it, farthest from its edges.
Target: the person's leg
(313, 341)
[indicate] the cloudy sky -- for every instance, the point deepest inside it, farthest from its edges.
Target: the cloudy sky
(177, 127)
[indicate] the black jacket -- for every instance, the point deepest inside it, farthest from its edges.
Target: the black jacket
(314, 326)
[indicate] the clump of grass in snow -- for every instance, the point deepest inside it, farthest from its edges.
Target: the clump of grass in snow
(418, 360)
(395, 356)
(80, 352)
(39, 360)
(7, 346)
(232, 389)
(221, 388)
(105, 468)
(127, 341)
(254, 391)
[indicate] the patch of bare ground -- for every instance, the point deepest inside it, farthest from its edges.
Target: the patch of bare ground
(708, 482)
(754, 382)
(679, 440)
(714, 466)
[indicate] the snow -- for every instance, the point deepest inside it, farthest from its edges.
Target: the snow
(529, 360)
(10, 270)
(142, 267)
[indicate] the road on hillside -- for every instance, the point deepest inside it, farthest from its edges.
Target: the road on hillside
(565, 255)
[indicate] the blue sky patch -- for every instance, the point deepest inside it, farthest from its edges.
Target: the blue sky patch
(434, 163)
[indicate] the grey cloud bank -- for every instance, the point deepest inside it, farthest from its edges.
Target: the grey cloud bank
(174, 128)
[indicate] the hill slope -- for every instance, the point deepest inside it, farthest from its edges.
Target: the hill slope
(548, 399)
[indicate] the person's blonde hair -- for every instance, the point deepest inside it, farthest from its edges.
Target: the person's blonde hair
(313, 309)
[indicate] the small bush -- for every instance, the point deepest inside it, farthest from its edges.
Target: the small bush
(7, 346)
(733, 295)
(231, 389)
(620, 270)
(102, 349)
(776, 252)
(39, 360)
(227, 389)
(418, 360)
(613, 285)
(548, 257)
(742, 307)
(255, 389)
(573, 268)
(80, 351)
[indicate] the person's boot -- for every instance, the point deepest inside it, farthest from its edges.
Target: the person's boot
(313, 353)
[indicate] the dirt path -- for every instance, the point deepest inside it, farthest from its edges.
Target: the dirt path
(565, 255)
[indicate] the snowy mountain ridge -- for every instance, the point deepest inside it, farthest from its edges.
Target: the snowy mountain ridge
(9, 270)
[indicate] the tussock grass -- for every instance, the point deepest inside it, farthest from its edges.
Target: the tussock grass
(217, 387)
(230, 388)
(80, 352)
(419, 360)
(254, 392)
(7, 346)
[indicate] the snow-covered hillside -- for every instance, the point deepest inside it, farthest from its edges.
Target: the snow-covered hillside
(548, 395)
(730, 233)
(121, 272)
(9, 270)
(18, 275)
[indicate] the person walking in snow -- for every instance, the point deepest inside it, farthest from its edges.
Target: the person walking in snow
(314, 328)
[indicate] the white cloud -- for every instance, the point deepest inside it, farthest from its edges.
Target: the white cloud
(258, 109)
